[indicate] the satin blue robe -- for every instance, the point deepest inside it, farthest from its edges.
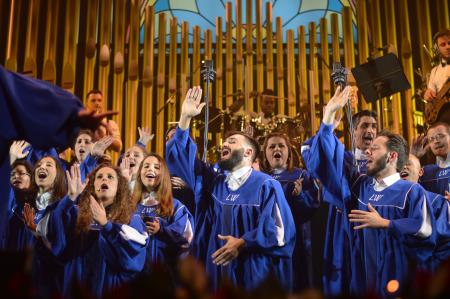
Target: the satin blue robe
(100, 259)
(303, 207)
(435, 179)
(256, 212)
(377, 255)
(36, 111)
(174, 237)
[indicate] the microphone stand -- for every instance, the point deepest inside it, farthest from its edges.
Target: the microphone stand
(208, 76)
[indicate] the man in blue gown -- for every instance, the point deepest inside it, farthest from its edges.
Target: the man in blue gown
(389, 220)
(246, 230)
(43, 114)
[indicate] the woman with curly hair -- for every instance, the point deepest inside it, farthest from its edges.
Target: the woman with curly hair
(167, 220)
(100, 241)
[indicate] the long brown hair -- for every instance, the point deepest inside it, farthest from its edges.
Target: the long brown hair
(290, 160)
(59, 188)
(163, 190)
(119, 211)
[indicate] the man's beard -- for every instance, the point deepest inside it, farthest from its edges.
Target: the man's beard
(235, 159)
(378, 166)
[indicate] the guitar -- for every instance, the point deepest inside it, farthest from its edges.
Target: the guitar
(432, 108)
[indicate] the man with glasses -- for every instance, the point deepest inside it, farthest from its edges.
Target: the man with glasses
(436, 177)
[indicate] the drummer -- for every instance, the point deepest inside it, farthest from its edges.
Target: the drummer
(267, 103)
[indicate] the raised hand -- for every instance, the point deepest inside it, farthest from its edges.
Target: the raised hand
(191, 106)
(28, 217)
(92, 121)
(419, 146)
(145, 136)
(74, 184)
(229, 251)
(125, 169)
(337, 102)
(16, 151)
(98, 211)
(368, 219)
(99, 148)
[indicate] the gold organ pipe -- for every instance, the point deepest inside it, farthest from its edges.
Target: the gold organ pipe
(239, 50)
(105, 51)
(302, 75)
(326, 85)
(13, 35)
(218, 84)
(185, 72)
(133, 75)
(259, 50)
(173, 69)
(70, 38)
(29, 66)
(291, 73)
(148, 72)
(51, 30)
(249, 54)
(90, 48)
(313, 74)
(196, 57)
(363, 39)
(280, 66)
(269, 46)
(229, 55)
(161, 81)
(392, 39)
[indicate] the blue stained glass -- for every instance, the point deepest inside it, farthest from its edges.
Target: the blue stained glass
(161, 5)
(288, 10)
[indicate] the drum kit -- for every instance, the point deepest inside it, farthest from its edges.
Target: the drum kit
(233, 118)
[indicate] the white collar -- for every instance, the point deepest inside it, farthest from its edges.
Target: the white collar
(42, 200)
(236, 178)
(149, 199)
(386, 182)
(278, 170)
(360, 155)
(443, 163)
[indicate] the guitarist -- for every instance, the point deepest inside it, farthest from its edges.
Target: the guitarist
(440, 73)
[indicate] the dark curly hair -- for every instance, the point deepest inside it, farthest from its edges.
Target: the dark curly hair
(119, 211)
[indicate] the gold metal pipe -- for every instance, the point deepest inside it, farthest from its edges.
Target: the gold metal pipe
(291, 94)
(326, 86)
(105, 52)
(280, 66)
(218, 84)
(249, 55)
(314, 73)
(229, 55)
(239, 49)
(302, 75)
(259, 51)
(13, 35)
(51, 30)
(90, 48)
(161, 81)
(70, 38)
(173, 69)
(269, 46)
(363, 40)
(29, 66)
(148, 72)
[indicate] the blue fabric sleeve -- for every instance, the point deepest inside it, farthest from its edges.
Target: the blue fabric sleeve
(173, 233)
(36, 111)
(270, 236)
(122, 254)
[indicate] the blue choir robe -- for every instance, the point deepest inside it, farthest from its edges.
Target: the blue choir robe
(18, 237)
(435, 179)
(47, 271)
(257, 212)
(303, 207)
(441, 210)
(377, 255)
(101, 259)
(87, 166)
(336, 255)
(174, 237)
(36, 111)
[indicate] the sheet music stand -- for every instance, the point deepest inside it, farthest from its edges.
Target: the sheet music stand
(380, 77)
